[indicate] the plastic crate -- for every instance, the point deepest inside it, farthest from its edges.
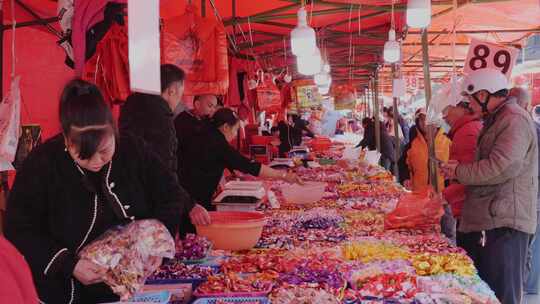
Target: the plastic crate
(239, 300)
(194, 282)
(161, 297)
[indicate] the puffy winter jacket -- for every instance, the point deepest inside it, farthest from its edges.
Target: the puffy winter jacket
(418, 159)
(502, 183)
(464, 135)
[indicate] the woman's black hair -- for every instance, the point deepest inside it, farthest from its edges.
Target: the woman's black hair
(171, 74)
(82, 105)
(366, 121)
(224, 116)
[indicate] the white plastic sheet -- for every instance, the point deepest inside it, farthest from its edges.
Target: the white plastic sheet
(373, 157)
(144, 49)
(448, 95)
(10, 119)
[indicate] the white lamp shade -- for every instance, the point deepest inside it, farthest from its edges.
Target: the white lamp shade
(326, 68)
(323, 90)
(322, 79)
(419, 13)
(309, 65)
(392, 51)
(303, 38)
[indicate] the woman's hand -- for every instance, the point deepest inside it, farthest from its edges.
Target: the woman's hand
(449, 169)
(88, 273)
(407, 184)
(199, 216)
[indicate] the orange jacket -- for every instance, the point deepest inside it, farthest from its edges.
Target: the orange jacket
(418, 156)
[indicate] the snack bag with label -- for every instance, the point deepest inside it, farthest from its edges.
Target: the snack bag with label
(130, 254)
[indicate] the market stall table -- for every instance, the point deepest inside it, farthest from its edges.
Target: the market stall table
(341, 250)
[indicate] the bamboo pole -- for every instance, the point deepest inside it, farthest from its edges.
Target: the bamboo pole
(375, 85)
(433, 178)
(397, 143)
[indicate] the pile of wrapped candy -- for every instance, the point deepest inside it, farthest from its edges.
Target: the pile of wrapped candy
(338, 250)
(192, 247)
(176, 270)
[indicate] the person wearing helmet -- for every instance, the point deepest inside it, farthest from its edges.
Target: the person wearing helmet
(499, 213)
(532, 282)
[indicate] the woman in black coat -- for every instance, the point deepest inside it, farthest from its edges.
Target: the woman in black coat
(209, 155)
(76, 186)
(369, 142)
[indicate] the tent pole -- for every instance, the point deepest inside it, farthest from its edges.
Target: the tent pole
(375, 84)
(49, 27)
(31, 23)
(430, 129)
(397, 152)
(203, 8)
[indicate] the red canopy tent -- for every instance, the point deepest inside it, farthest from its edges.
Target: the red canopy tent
(258, 31)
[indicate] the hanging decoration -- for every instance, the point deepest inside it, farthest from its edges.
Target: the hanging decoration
(199, 46)
(305, 94)
(268, 94)
(344, 96)
(287, 77)
(419, 13)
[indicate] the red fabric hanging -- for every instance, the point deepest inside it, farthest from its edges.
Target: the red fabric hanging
(109, 66)
(233, 95)
(286, 97)
(198, 46)
(86, 14)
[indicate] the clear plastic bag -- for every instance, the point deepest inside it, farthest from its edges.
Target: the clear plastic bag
(130, 254)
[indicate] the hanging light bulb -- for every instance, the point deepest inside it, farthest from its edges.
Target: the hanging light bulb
(323, 90)
(303, 38)
(392, 50)
(326, 68)
(310, 64)
(419, 13)
(322, 79)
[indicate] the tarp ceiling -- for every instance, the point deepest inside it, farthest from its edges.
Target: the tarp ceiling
(40, 61)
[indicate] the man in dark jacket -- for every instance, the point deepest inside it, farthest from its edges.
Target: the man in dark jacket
(191, 123)
(150, 117)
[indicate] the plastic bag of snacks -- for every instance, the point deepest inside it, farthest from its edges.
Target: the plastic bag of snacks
(130, 254)
(415, 210)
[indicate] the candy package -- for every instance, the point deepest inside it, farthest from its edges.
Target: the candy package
(130, 254)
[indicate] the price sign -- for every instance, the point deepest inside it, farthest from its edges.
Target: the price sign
(488, 55)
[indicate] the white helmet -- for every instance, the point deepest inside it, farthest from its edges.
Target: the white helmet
(487, 79)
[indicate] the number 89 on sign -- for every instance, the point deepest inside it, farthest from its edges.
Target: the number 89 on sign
(483, 55)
